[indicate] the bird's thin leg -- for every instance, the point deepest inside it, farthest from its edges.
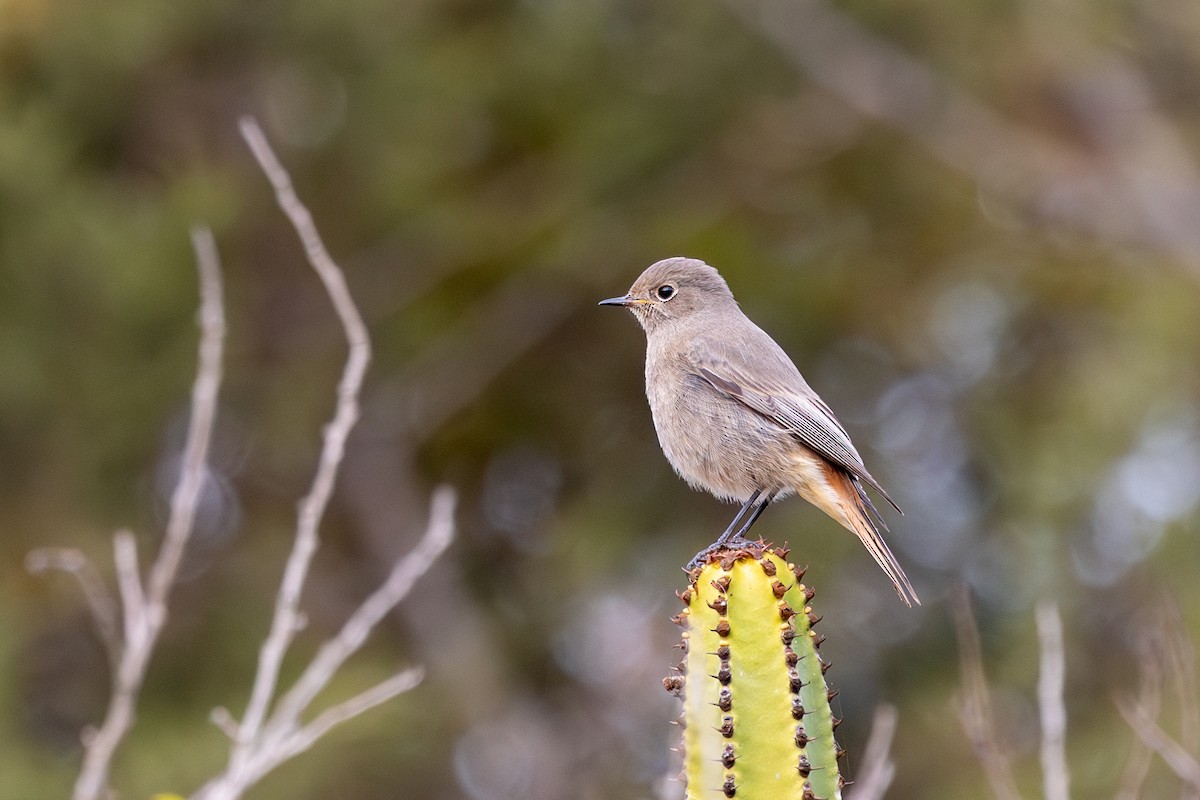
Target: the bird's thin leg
(729, 532)
(733, 534)
(761, 507)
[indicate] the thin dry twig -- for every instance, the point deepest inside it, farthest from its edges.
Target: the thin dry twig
(879, 769)
(129, 584)
(265, 738)
(976, 711)
(354, 632)
(304, 738)
(287, 619)
(1181, 762)
(283, 735)
(99, 600)
(1052, 709)
(146, 613)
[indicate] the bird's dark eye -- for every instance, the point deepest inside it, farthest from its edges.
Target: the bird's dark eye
(665, 292)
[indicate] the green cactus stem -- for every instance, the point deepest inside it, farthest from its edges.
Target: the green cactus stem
(756, 716)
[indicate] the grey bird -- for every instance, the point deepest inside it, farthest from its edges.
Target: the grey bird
(735, 417)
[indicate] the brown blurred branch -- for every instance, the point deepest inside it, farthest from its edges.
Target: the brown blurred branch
(1183, 763)
(1052, 710)
(452, 372)
(145, 610)
(1137, 763)
(1143, 189)
(1181, 659)
(976, 710)
(879, 770)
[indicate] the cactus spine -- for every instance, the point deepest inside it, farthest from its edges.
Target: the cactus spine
(757, 721)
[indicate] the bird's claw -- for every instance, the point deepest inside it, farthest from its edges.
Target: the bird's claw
(736, 542)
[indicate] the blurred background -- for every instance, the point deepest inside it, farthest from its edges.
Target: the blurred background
(975, 227)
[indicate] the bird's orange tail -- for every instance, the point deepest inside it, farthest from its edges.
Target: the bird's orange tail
(855, 515)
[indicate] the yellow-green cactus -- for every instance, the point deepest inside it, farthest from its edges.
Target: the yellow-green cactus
(756, 716)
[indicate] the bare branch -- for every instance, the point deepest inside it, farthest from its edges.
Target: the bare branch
(1178, 759)
(99, 600)
(129, 583)
(306, 736)
(977, 707)
(186, 498)
(282, 736)
(264, 739)
(286, 619)
(879, 770)
(145, 616)
(1052, 709)
(266, 758)
(318, 674)
(224, 721)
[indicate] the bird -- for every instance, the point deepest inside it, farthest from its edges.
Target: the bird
(735, 417)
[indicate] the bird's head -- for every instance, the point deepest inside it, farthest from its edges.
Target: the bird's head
(674, 290)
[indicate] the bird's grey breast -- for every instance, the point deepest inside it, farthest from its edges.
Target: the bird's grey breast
(712, 441)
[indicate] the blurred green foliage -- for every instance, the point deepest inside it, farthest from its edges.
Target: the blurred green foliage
(485, 171)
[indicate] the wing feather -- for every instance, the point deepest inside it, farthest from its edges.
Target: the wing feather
(785, 398)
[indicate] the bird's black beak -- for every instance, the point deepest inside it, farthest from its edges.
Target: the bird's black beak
(623, 300)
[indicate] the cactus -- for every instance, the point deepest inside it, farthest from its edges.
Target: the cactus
(756, 717)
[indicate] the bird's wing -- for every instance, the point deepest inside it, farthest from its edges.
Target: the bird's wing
(775, 389)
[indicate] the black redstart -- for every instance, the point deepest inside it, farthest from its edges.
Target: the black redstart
(735, 417)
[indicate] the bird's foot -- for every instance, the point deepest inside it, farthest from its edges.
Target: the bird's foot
(737, 542)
